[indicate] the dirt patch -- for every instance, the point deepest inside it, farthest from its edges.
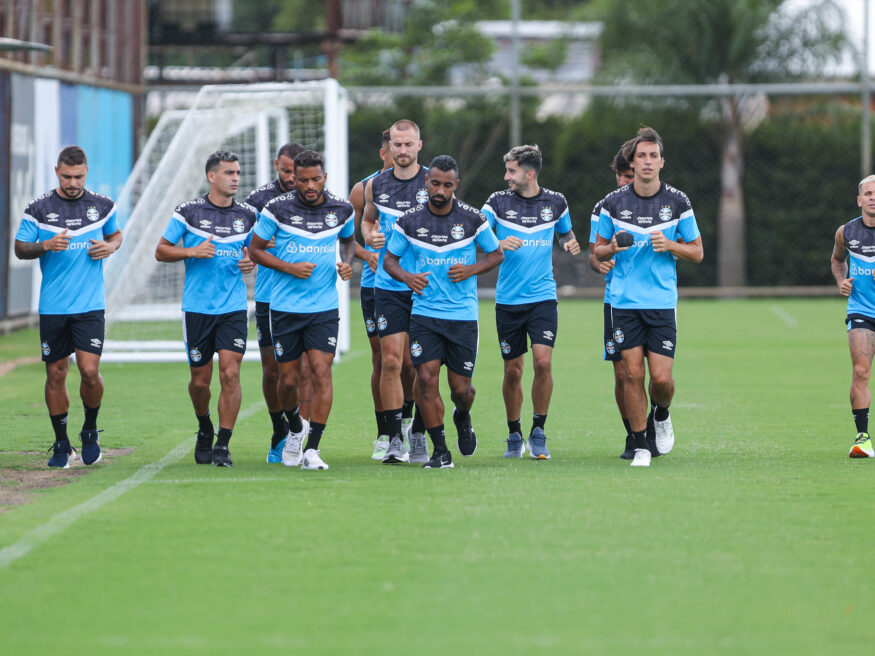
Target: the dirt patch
(6, 367)
(18, 484)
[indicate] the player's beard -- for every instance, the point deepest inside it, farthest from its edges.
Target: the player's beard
(439, 202)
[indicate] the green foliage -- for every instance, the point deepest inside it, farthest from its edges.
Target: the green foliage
(437, 36)
(549, 55)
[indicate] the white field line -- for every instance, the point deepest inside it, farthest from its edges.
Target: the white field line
(57, 524)
(181, 481)
(784, 316)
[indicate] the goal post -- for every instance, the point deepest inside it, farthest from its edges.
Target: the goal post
(143, 318)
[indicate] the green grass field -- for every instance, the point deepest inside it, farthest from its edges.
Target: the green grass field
(752, 537)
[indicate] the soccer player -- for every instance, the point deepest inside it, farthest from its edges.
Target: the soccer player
(388, 196)
(306, 226)
(643, 294)
(71, 230)
(214, 231)
(624, 175)
(442, 237)
(852, 268)
(284, 166)
(371, 258)
(525, 216)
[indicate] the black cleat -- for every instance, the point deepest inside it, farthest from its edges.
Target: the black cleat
(90, 446)
(221, 456)
(440, 460)
(629, 452)
(203, 448)
(467, 442)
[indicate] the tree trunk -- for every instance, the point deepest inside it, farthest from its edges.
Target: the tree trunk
(731, 261)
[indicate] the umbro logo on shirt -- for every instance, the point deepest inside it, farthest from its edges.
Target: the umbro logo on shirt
(383, 198)
(204, 223)
(54, 217)
(296, 219)
(511, 214)
(422, 232)
(626, 215)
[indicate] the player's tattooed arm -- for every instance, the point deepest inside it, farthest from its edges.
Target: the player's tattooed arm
(569, 243)
(31, 250)
(838, 264)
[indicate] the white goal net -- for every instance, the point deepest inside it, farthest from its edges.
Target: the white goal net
(143, 316)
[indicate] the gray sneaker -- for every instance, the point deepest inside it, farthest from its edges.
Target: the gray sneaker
(516, 446)
(538, 445)
(397, 452)
(418, 447)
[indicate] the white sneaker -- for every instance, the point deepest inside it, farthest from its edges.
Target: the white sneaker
(406, 428)
(292, 450)
(381, 445)
(312, 460)
(642, 458)
(664, 435)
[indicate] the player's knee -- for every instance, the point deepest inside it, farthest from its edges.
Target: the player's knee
(391, 364)
(229, 376)
(634, 376)
(513, 371)
(861, 371)
(543, 365)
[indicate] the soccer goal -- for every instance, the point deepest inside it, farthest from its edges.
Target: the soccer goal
(143, 318)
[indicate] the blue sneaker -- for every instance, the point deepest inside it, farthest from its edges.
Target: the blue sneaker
(538, 445)
(275, 453)
(516, 446)
(62, 454)
(90, 447)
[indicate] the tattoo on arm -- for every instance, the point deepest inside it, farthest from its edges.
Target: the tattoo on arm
(29, 250)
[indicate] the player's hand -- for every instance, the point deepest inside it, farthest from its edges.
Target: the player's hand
(302, 270)
(60, 242)
(376, 239)
(418, 282)
(344, 270)
(617, 248)
(845, 286)
(244, 263)
(571, 246)
(204, 250)
(605, 267)
(98, 250)
(372, 260)
(510, 243)
(460, 272)
(659, 242)
(270, 244)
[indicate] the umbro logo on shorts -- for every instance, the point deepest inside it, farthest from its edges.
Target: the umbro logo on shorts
(667, 345)
(332, 341)
(548, 334)
(468, 366)
(95, 342)
(239, 342)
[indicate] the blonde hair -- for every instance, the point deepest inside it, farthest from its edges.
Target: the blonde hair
(866, 180)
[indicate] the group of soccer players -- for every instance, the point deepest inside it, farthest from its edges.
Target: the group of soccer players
(418, 295)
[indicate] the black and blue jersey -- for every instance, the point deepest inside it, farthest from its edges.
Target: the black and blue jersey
(213, 285)
(435, 243)
(393, 197)
(526, 275)
(264, 275)
(644, 279)
(860, 242)
(72, 282)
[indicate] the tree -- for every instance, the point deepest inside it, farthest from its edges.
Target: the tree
(720, 41)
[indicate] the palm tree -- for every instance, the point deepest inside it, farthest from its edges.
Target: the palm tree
(720, 41)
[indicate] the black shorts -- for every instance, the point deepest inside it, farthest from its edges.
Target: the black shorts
(854, 321)
(452, 342)
(367, 300)
(61, 334)
(294, 333)
(539, 321)
(262, 324)
(656, 330)
(610, 353)
(392, 310)
(204, 334)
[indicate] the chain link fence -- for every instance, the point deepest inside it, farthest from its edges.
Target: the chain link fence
(799, 169)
